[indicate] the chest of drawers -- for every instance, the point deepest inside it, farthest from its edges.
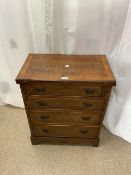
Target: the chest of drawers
(65, 97)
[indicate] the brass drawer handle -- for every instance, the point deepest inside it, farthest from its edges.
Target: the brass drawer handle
(89, 91)
(83, 131)
(42, 103)
(40, 91)
(86, 117)
(45, 130)
(87, 104)
(44, 117)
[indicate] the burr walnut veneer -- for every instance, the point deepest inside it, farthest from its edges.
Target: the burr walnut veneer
(65, 96)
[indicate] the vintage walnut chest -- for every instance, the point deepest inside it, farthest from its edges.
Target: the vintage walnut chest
(65, 97)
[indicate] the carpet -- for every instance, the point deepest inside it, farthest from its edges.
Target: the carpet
(19, 157)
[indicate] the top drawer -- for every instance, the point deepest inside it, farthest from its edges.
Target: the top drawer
(64, 89)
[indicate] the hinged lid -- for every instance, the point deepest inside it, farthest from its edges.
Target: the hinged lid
(53, 67)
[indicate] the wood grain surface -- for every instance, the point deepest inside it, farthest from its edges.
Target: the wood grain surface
(52, 67)
(65, 97)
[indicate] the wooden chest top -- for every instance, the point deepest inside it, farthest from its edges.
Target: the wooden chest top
(56, 67)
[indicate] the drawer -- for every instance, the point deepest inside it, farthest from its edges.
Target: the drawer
(64, 89)
(65, 103)
(65, 131)
(65, 117)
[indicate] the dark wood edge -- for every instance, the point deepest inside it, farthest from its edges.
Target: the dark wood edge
(68, 110)
(65, 140)
(107, 83)
(25, 65)
(23, 89)
(66, 97)
(104, 111)
(66, 124)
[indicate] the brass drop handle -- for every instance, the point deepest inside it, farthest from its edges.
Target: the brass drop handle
(83, 131)
(89, 91)
(44, 117)
(86, 117)
(45, 130)
(86, 104)
(42, 103)
(40, 91)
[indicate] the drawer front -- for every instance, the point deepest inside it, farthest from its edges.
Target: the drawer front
(65, 131)
(64, 89)
(65, 103)
(65, 117)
